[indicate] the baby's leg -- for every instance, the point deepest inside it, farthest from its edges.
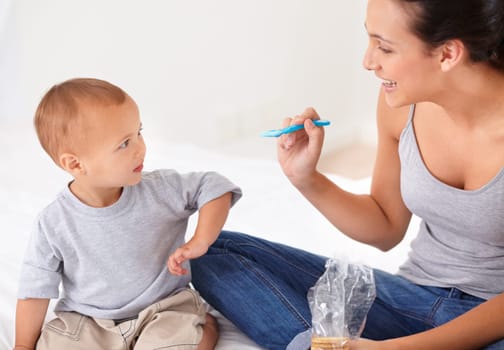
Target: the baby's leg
(210, 334)
(176, 322)
(70, 330)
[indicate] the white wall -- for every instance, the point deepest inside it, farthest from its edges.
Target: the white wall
(10, 79)
(209, 72)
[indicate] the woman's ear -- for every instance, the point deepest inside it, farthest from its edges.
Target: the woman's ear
(72, 164)
(451, 53)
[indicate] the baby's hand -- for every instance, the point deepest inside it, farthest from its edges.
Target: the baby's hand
(191, 250)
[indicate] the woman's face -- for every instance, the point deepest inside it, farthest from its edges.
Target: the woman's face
(409, 73)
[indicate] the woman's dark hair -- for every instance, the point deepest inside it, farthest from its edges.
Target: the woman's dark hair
(479, 24)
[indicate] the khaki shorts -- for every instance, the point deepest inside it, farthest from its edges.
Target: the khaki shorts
(175, 322)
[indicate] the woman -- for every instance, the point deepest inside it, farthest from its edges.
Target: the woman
(440, 156)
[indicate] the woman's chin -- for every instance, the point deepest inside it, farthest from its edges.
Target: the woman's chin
(396, 102)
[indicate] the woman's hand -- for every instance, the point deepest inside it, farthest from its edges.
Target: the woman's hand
(299, 152)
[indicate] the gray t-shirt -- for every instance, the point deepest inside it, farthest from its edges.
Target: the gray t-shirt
(460, 242)
(112, 261)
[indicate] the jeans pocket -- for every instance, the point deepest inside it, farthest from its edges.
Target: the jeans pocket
(67, 324)
(450, 308)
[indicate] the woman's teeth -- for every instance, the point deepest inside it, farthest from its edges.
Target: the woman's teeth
(389, 83)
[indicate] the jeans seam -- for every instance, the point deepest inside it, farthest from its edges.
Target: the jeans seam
(434, 310)
(272, 252)
(131, 330)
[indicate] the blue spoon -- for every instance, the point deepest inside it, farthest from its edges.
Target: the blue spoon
(292, 128)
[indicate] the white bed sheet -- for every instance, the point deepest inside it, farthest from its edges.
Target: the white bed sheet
(270, 208)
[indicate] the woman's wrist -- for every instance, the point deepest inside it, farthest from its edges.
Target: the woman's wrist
(304, 181)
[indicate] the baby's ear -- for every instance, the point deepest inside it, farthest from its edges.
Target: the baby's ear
(71, 163)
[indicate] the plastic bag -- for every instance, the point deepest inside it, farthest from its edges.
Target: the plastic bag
(339, 303)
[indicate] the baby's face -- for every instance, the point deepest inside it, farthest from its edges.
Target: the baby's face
(114, 148)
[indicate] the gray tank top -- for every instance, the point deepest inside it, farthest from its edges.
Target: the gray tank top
(460, 242)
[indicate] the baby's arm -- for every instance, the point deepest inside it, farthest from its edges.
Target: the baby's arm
(211, 219)
(30, 315)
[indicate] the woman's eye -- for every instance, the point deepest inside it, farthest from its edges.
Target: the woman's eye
(384, 50)
(124, 144)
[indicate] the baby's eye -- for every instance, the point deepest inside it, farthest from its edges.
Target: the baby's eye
(140, 131)
(124, 144)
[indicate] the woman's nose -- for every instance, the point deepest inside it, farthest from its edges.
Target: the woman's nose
(369, 61)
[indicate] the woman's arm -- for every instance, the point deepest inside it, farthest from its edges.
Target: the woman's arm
(473, 330)
(379, 218)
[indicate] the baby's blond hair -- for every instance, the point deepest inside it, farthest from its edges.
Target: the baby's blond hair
(60, 112)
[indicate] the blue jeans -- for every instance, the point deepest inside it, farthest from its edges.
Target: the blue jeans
(261, 287)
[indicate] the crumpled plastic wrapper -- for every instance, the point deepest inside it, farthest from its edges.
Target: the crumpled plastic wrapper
(341, 299)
